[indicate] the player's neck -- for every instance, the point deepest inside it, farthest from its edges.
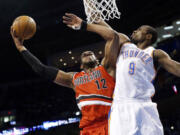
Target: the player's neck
(143, 45)
(89, 70)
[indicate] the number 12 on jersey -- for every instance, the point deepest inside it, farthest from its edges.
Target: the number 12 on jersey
(103, 82)
(132, 67)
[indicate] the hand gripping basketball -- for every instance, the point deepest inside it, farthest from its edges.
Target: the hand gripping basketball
(18, 42)
(25, 27)
(72, 21)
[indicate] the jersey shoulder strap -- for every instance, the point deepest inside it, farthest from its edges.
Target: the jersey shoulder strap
(150, 50)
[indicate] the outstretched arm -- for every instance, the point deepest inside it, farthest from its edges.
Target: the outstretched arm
(105, 32)
(102, 28)
(51, 73)
(103, 23)
(72, 20)
(167, 63)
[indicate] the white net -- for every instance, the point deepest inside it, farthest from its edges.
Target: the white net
(97, 10)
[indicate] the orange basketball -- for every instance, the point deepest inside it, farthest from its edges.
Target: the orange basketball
(24, 27)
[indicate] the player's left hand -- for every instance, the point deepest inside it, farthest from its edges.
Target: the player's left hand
(72, 21)
(18, 42)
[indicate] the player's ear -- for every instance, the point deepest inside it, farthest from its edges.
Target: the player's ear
(149, 36)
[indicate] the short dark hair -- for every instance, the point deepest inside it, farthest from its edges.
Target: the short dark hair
(153, 32)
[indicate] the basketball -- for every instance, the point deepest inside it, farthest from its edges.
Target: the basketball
(24, 27)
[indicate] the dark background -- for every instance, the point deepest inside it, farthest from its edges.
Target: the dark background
(33, 99)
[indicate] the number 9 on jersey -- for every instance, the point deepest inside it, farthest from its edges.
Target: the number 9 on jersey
(132, 67)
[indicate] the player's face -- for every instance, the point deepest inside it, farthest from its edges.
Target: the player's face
(139, 35)
(88, 59)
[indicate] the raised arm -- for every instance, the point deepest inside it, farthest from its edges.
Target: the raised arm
(72, 20)
(112, 49)
(167, 63)
(104, 31)
(111, 52)
(58, 76)
(103, 23)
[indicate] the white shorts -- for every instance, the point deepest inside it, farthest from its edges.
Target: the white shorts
(134, 118)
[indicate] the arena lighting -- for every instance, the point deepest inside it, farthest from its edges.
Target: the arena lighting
(62, 122)
(179, 28)
(13, 123)
(72, 58)
(39, 127)
(175, 89)
(61, 60)
(70, 52)
(178, 22)
(77, 113)
(34, 128)
(172, 127)
(44, 126)
(6, 119)
(72, 120)
(168, 27)
(167, 35)
(15, 131)
(100, 52)
(47, 125)
(65, 64)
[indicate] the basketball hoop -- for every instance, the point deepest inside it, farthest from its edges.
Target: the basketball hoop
(97, 10)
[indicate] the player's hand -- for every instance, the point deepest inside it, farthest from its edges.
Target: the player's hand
(72, 21)
(18, 42)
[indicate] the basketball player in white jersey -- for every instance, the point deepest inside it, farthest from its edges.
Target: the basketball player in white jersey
(133, 112)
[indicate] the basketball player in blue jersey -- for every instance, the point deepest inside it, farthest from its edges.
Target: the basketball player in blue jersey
(132, 111)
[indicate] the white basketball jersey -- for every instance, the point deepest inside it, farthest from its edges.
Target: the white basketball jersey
(134, 73)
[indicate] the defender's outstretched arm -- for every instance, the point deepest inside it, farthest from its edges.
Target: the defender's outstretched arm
(167, 63)
(72, 20)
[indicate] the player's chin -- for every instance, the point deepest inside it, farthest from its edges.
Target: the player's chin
(133, 40)
(90, 64)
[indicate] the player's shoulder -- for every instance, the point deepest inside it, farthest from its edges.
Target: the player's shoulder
(100, 67)
(150, 50)
(123, 38)
(127, 45)
(158, 53)
(77, 74)
(106, 71)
